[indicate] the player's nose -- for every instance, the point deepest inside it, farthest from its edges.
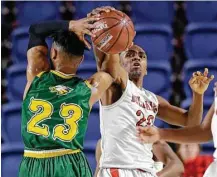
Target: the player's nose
(137, 58)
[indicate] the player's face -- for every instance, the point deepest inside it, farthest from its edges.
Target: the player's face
(135, 62)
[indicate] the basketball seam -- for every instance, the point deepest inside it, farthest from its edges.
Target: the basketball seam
(130, 24)
(115, 40)
(107, 30)
(119, 14)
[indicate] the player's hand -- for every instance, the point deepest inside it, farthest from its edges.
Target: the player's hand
(215, 89)
(200, 81)
(84, 26)
(148, 134)
(98, 10)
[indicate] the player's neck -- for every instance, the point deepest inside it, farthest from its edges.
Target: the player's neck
(138, 82)
(66, 69)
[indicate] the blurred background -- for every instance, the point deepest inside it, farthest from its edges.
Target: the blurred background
(179, 38)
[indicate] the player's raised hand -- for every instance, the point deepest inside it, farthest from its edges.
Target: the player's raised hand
(98, 10)
(148, 134)
(84, 26)
(199, 82)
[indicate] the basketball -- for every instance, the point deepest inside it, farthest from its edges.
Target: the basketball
(114, 32)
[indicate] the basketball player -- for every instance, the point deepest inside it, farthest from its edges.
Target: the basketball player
(57, 103)
(163, 155)
(126, 105)
(197, 134)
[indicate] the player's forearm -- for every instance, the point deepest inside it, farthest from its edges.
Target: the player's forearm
(195, 112)
(109, 63)
(171, 169)
(99, 57)
(45, 29)
(40, 31)
(196, 134)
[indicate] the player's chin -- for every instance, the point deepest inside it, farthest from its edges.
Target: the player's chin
(135, 73)
(136, 69)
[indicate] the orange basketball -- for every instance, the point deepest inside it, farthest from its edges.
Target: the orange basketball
(114, 32)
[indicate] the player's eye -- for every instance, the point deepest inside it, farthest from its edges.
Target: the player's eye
(131, 54)
(128, 55)
(142, 56)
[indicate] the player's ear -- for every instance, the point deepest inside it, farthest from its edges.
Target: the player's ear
(53, 53)
(146, 71)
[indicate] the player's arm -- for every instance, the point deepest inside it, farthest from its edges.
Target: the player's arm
(99, 55)
(197, 134)
(36, 55)
(178, 116)
(97, 156)
(109, 63)
(181, 117)
(99, 83)
(173, 165)
(37, 47)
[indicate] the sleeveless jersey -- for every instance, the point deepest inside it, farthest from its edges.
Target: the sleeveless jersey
(214, 127)
(158, 166)
(120, 145)
(55, 112)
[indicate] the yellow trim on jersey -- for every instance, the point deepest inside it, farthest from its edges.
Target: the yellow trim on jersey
(64, 76)
(40, 74)
(49, 153)
(88, 84)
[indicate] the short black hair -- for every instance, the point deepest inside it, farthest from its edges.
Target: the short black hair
(70, 42)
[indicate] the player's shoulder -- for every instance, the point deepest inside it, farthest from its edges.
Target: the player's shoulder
(42, 73)
(148, 92)
(52, 74)
(151, 94)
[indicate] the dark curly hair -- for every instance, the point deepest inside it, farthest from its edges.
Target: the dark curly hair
(69, 42)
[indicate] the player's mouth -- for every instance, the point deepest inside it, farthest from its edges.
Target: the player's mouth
(136, 65)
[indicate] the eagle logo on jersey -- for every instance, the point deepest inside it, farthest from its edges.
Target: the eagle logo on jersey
(61, 89)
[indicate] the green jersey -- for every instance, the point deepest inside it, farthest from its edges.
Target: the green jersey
(55, 112)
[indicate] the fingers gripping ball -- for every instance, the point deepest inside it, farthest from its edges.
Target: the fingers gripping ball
(114, 32)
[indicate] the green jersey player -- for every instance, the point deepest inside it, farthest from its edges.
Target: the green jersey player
(56, 103)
